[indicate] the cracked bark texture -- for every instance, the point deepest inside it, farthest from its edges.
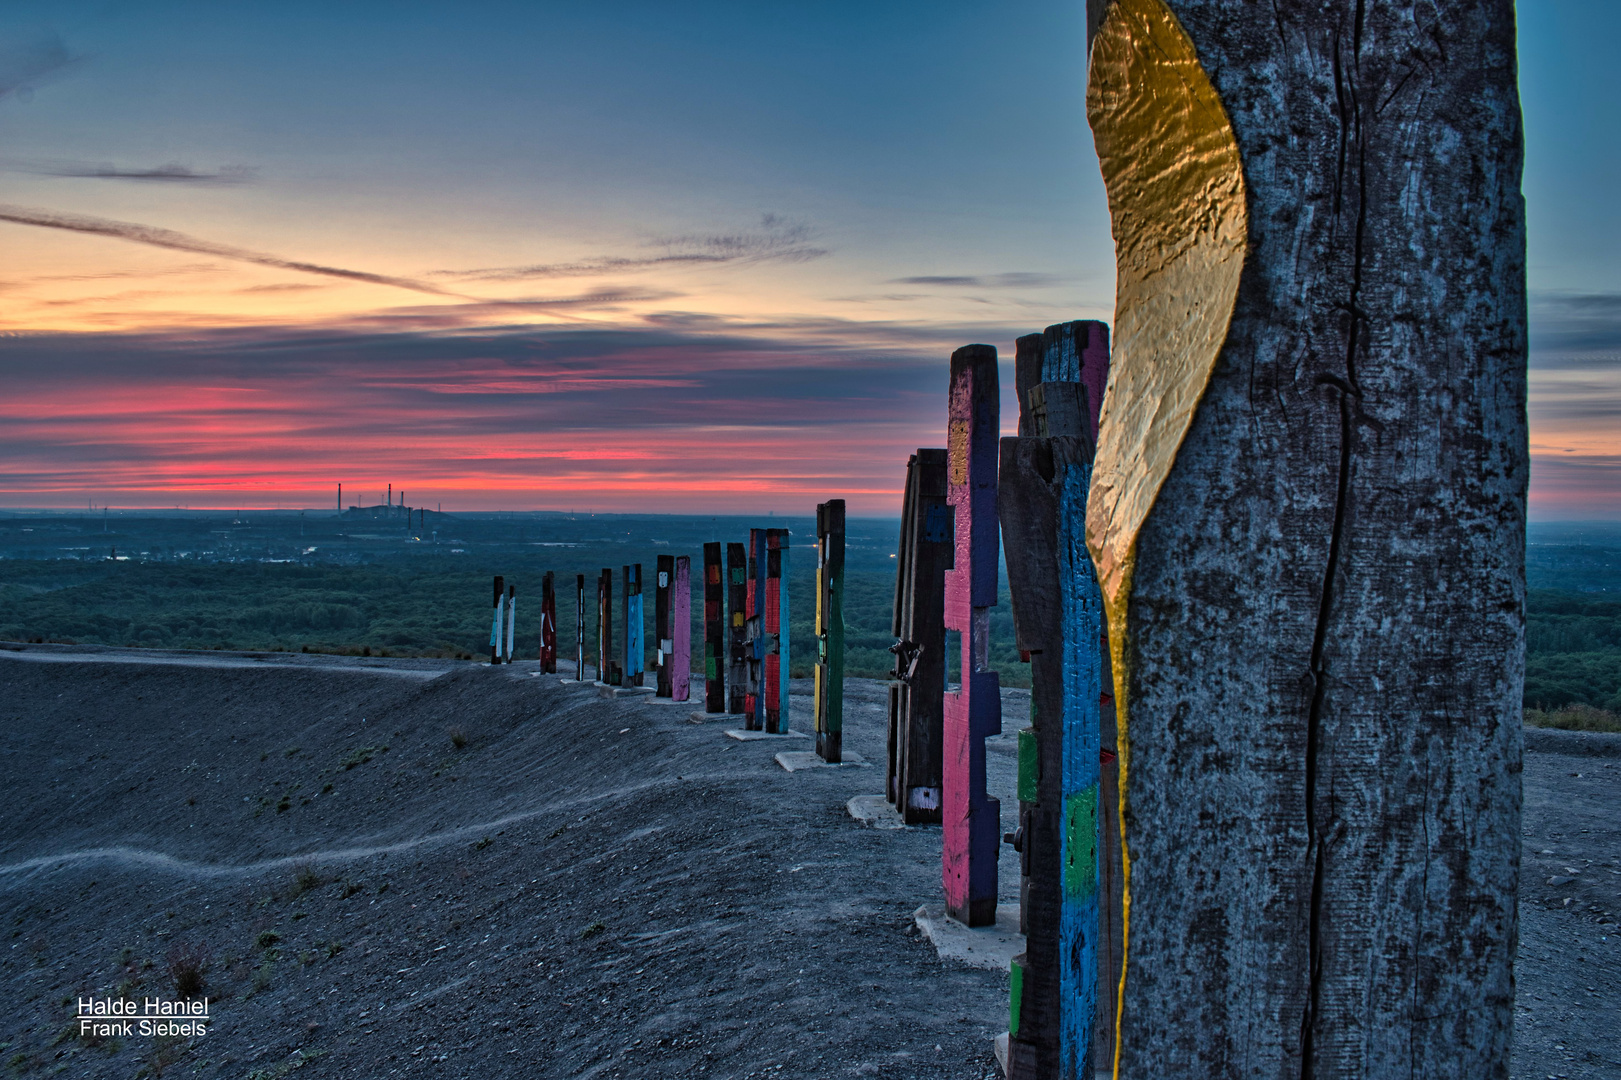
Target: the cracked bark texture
(1325, 623)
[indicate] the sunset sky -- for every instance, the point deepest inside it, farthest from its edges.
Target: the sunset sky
(616, 256)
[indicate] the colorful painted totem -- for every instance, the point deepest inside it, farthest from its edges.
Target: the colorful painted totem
(916, 695)
(548, 624)
(829, 682)
(608, 672)
(737, 603)
(766, 622)
(1057, 984)
(499, 609)
(714, 630)
(635, 661)
(672, 610)
(973, 712)
(512, 623)
(579, 627)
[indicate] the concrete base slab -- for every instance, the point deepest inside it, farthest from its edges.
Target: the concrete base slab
(606, 691)
(999, 1047)
(990, 947)
(876, 811)
(795, 760)
(751, 736)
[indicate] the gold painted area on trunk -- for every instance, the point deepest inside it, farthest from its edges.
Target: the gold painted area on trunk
(1175, 182)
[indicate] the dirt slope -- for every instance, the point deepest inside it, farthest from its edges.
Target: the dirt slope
(585, 888)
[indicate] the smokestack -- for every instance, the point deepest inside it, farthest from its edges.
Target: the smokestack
(340, 500)
(391, 494)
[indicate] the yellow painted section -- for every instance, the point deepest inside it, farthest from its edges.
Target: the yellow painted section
(1175, 183)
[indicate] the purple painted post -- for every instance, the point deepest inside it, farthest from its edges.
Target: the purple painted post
(971, 818)
(681, 632)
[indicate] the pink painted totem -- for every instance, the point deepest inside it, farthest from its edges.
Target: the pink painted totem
(973, 711)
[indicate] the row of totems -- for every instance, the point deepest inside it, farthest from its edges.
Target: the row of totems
(1027, 493)
(746, 639)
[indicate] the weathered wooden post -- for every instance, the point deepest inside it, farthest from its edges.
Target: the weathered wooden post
(548, 625)
(1307, 517)
(774, 706)
(714, 631)
(916, 696)
(635, 649)
(673, 619)
(608, 671)
(829, 683)
(1058, 618)
(495, 623)
(512, 621)
(737, 597)
(579, 627)
(971, 818)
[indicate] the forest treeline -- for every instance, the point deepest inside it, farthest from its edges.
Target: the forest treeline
(441, 608)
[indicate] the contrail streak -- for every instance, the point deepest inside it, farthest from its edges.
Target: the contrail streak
(176, 241)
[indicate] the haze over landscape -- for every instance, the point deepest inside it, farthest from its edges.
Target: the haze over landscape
(682, 259)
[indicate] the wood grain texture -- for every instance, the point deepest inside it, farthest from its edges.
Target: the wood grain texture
(971, 824)
(737, 592)
(548, 623)
(917, 693)
(828, 718)
(1324, 626)
(715, 620)
(681, 630)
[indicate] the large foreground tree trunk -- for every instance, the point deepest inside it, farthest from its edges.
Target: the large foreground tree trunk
(1308, 520)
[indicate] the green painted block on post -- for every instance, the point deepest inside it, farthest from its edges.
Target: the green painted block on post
(1029, 765)
(1080, 842)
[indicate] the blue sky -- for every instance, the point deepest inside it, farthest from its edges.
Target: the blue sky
(840, 192)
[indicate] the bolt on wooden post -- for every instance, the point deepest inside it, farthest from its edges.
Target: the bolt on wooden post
(916, 693)
(548, 624)
(829, 683)
(714, 630)
(635, 661)
(737, 597)
(495, 622)
(971, 822)
(1042, 490)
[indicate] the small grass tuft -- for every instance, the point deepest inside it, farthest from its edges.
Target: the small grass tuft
(358, 757)
(458, 738)
(188, 968)
(593, 930)
(266, 939)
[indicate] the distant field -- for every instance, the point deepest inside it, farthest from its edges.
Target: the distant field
(278, 582)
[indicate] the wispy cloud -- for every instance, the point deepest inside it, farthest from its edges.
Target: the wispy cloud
(25, 65)
(985, 281)
(153, 236)
(1564, 323)
(776, 239)
(173, 172)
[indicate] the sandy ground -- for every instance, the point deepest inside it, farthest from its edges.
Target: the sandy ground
(585, 888)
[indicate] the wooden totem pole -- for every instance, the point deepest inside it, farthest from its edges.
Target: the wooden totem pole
(1308, 518)
(971, 824)
(607, 669)
(916, 695)
(829, 683)
(672, 605)
(635, 661)
(512, 622)
(548, 624)
(766, 637)
(714, 631)
(737, 602)
(1058, 618)
(579, 627)
(499, 608)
